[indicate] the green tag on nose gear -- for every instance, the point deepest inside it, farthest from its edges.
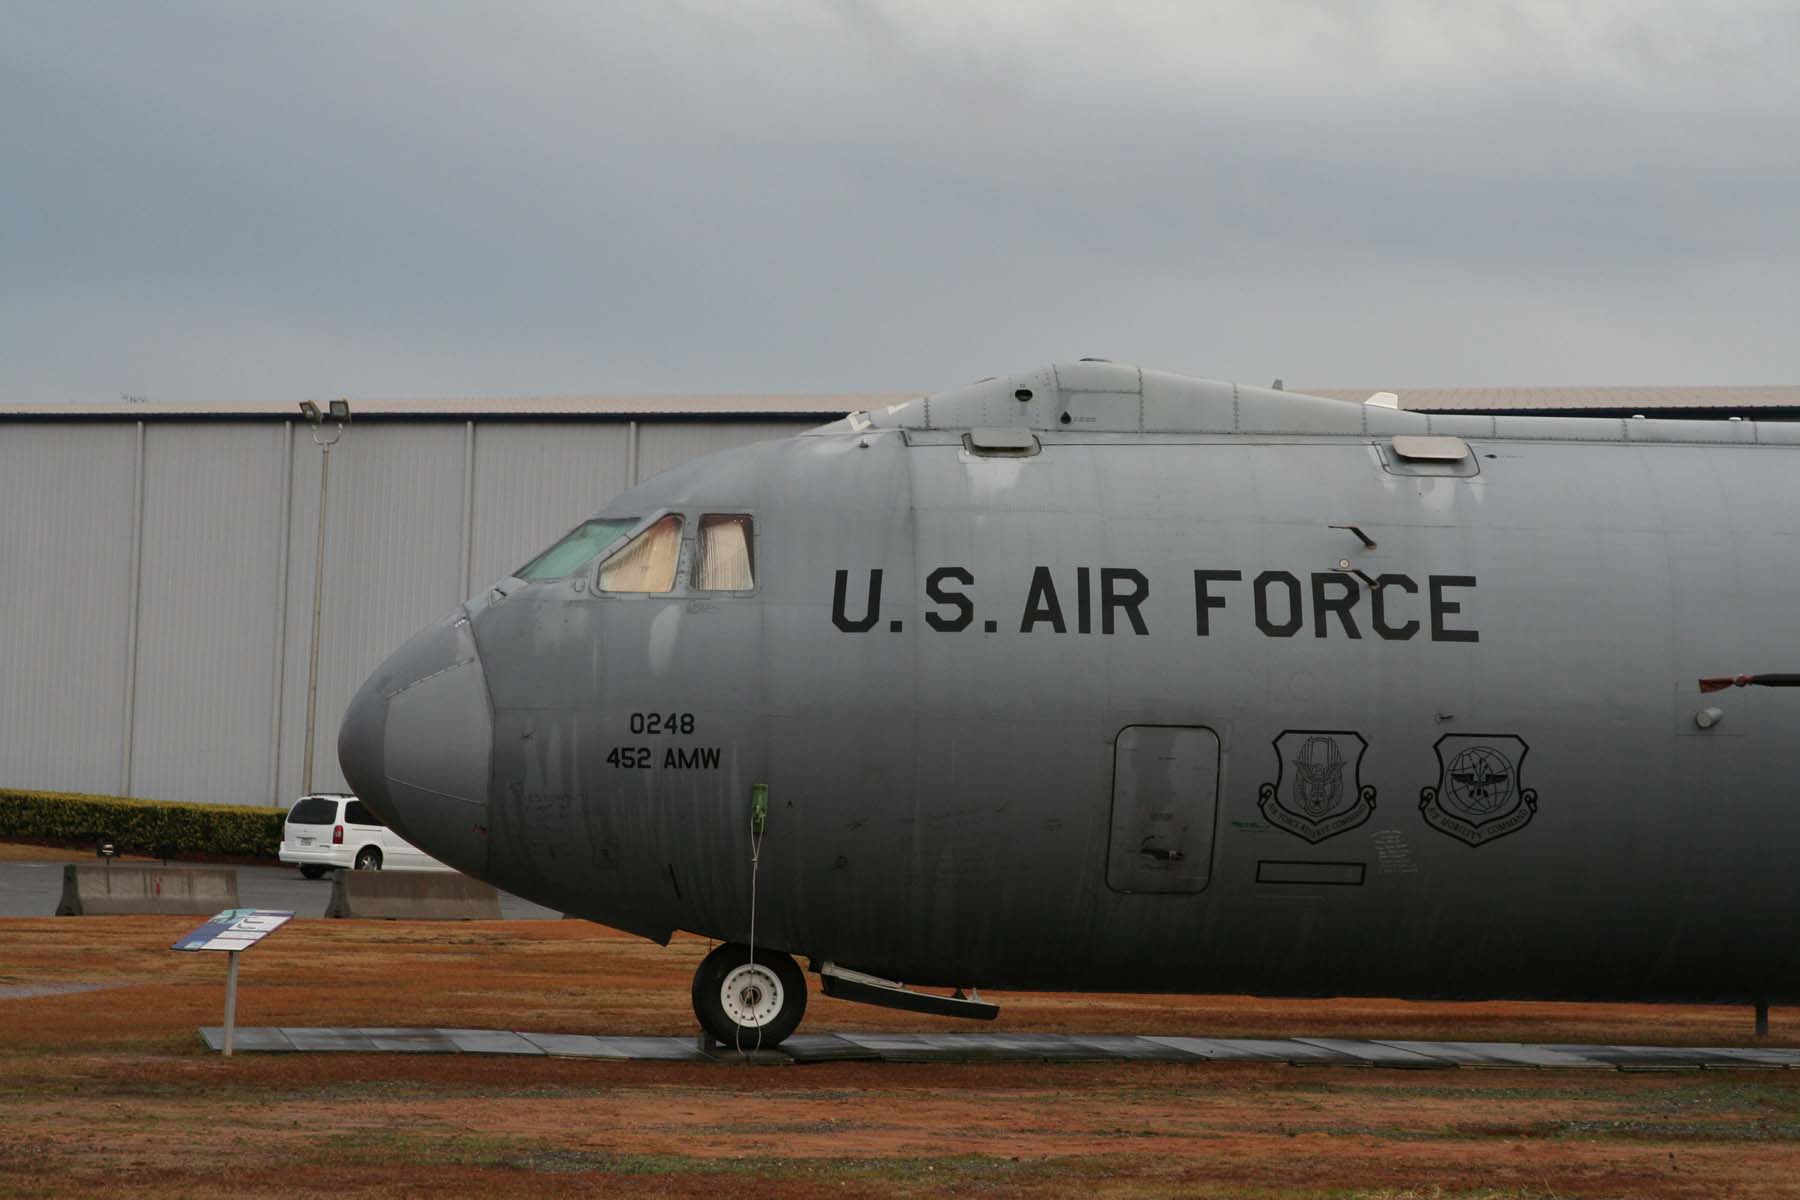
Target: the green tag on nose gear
(759, 808)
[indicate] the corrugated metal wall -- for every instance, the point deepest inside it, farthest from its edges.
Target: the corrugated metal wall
(67, 519)
(206, 611)
(158, 578)
(667, 445)
(534, 483)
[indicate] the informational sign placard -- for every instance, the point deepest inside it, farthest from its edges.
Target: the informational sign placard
(234, 929)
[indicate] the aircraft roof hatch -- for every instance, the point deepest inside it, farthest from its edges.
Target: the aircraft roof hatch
(1431, 449)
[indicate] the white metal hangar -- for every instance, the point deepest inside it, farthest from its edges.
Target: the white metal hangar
(157, 560)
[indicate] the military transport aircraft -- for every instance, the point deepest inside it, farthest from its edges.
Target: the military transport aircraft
(1095, 678)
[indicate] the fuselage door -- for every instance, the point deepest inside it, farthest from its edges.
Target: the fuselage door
(1165, 800)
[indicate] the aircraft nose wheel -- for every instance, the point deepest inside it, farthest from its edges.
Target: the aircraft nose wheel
(748, 1002)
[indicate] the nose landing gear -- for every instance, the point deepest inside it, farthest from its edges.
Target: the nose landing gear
(748, 1002)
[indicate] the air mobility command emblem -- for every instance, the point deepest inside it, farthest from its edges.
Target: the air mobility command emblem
(1479, 795)
(1318, 790)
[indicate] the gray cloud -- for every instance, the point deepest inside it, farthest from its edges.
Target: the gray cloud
(220, 201)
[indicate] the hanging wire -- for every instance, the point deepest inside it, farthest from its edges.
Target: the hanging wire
(759, 816)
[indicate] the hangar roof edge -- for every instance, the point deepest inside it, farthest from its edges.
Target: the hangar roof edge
(1700, 399)
(778, 406)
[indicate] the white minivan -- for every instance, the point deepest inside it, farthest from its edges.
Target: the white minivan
(326, 831)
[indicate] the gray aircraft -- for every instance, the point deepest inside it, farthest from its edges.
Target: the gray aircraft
(1095, 678)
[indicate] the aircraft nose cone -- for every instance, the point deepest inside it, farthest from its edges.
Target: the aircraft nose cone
(361, 740)
(417, 742)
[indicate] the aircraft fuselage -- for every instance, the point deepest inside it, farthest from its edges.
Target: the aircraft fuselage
(1140, 709)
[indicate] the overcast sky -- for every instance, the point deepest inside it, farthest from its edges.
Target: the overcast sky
(276, 200)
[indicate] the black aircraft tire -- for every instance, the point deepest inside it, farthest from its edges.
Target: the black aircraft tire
(773, 988)
(313, 870)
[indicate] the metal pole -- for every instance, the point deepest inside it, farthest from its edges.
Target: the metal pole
(131, 627)
(278, 696)
(312, 658)
(1762, 1018)
(230, 998)
(464, 584)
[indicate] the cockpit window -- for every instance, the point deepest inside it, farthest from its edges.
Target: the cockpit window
(723, 562)
(583, 544)
(647, 563)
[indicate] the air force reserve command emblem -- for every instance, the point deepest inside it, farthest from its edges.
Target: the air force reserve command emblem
(1318, 790)
(1479, 795)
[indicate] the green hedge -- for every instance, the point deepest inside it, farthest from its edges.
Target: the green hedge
(159, 827)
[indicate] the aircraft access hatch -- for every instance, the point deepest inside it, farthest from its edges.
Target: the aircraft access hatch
(1165, 801)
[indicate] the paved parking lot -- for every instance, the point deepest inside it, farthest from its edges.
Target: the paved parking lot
(31, 889)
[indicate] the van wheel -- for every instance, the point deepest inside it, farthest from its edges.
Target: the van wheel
(749, 1004)
(313, 870)
(368, 859)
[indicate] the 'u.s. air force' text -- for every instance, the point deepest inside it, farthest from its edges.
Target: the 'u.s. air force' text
(1111, 600)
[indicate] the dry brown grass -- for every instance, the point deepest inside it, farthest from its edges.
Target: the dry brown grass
(33, 852)
(111, 1088)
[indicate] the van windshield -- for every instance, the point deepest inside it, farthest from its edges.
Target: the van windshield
(582, 545)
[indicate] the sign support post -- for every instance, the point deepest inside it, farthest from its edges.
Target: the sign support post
(233, 931)
(230, 998)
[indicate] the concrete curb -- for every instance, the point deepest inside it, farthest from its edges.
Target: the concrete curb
(111, 890)
(411, 896)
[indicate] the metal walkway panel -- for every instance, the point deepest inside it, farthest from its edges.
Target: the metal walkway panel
(655, 1049)
(1118, 1046)
(1499, 1054)
(1210, 1048)
(1646, 1058)
(1753, 1056)
(1289, 1050)
(896, 1047)
(827, 1047)
(987, 1047)
(1063, 1048)
(749, 1056)
(489, 1041)
(410, 1041)
(331, 1041)
(573, 1045)
(1382, 1054)
(264, 1039)
(1043, 1047)
(1012, 1047)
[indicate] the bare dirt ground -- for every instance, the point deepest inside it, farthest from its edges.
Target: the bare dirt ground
(111, 1088)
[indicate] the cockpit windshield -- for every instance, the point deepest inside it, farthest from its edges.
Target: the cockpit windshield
(582, 545)
(648, 563)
